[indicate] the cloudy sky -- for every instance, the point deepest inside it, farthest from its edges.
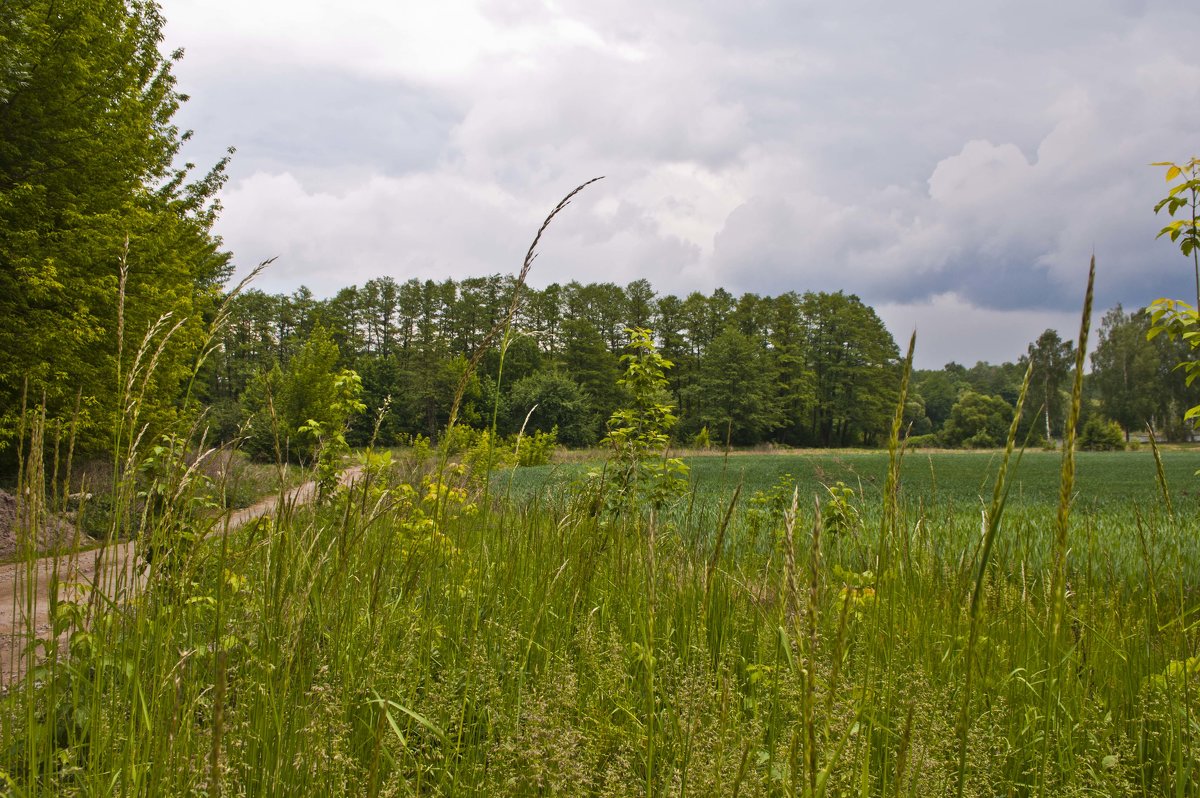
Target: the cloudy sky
(954, 164)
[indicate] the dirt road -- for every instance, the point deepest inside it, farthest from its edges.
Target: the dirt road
(25, 586)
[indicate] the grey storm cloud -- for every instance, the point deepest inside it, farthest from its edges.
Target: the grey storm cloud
(936, 159)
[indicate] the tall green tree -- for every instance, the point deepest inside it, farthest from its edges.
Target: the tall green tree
(589, 362)
(1126, 370)
(88, 155)
(541, 315)
(734, 391)
(640, 304)
(853, 360)
(793, 379)
(1052, 358)
(939, 390)
(672, 335)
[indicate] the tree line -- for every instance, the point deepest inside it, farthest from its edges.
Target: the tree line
(812, 369)
(1133, 386)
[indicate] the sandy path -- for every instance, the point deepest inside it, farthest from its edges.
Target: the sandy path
(25, 586)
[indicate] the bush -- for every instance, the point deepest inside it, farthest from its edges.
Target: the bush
(305, 410)
(839, 516)
(981, 440)
(1101, 435)
(560, 404)
(536, 449)
(977, 421)
(484, 454)
(458, 439)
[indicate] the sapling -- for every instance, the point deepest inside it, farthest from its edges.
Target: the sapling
(1174, 317)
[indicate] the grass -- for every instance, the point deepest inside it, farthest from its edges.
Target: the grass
(367, 647)
(962, 477)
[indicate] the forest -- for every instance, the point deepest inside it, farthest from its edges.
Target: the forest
(811, 369)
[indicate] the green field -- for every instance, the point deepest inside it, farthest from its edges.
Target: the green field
(1119, 478)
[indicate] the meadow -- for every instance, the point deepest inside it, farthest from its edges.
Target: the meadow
(418, 635)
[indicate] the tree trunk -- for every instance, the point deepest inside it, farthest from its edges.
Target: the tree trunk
(1048, 438)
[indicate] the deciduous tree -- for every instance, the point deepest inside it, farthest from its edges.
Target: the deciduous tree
(88, 161)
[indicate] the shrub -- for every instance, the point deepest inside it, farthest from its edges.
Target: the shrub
(458, 439)
(305, 410)
(980, 440)
(639, 434)
(483, 454)
(839, 516)
(1101, 435)
(559, 404)
(536, 449)
(977, 421)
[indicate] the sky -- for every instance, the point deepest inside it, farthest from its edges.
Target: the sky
(956, 165)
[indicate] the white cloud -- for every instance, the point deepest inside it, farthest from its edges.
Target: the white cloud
(433, 41)
(417, 226)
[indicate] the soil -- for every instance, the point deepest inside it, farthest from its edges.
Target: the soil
(53, 533)
(25, 586)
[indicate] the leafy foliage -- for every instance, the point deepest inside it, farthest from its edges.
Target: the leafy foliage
(560, 404)
(1184, 195)
(304, 411)
(639, 434)
(839, 516)
(734, 391)
(1051, 358)
(977, 421)
(101, 233)
(1177, 319)
(1101, 435)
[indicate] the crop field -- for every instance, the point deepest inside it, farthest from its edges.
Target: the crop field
(1119, 478)
(942, 494)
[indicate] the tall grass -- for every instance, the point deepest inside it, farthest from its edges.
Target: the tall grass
(354, 649)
